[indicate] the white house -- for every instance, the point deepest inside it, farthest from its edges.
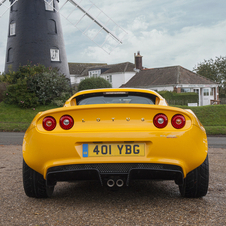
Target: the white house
(174, 78)
(116, 74)
(179, 79)
(76, 69)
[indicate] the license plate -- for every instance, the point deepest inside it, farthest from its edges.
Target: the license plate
(103, 150)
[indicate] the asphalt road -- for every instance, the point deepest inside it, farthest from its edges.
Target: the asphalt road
(156, 203)
(13, 138)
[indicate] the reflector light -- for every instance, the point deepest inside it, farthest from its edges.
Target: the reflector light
(178, 121)
(160, 121)
(66, 122)
(49, 123)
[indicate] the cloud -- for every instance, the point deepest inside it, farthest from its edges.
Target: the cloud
(167, 32)
(159, 48)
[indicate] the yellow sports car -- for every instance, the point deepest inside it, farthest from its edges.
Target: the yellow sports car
(115, 136)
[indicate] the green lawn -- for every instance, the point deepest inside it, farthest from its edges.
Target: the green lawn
(213, 118)
(13, 118)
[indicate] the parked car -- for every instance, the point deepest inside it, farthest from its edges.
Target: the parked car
(115, 136)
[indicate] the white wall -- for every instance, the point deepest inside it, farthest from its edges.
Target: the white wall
(119, 78)
(73, 79)
(128, 76)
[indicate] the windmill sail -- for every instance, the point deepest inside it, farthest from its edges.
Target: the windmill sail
(7, 7)
(92, 22)
(87, 18)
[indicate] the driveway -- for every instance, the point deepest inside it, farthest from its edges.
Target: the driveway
(88, 203)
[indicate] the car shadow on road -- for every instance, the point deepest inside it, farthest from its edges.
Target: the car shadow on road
(92, 191)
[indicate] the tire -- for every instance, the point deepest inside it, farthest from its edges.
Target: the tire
(34, 183)
(196, 182)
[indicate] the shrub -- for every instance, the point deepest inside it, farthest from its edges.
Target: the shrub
(48, 86)
(93, 83)
(34, 85)
(59, 101)
(20, 95)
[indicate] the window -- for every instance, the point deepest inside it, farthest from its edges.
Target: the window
(10, 55)
(206, 92)
(55, 54)
(52, 27)
(115, 98)
(49, 5)
(196, 91)
(94, 74)
(12, 28)
(185, 90)
(14, 6)
(109, 78)
(211, 91)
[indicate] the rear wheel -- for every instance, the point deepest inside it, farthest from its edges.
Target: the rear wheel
(197, 181)
(35, 184)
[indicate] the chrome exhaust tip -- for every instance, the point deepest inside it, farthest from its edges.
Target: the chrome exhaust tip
(110, 183)
(119, 183)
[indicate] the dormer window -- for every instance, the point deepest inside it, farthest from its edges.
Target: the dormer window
(94, 73)
(49, 5)
(12, 28)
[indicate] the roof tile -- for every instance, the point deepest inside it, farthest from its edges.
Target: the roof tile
(166, 76)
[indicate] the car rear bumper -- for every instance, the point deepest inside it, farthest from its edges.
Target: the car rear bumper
(123, 171)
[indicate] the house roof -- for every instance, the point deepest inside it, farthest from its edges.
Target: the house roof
(78, 68)
(111, 68)
(166, 76)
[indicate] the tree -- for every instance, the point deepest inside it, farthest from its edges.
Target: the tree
(93, 83)
(214, 70)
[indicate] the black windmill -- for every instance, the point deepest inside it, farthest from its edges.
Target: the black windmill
(35, 34)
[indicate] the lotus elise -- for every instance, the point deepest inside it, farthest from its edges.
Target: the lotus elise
(115, 136)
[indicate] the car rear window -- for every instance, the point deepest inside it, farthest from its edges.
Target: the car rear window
(115, 98)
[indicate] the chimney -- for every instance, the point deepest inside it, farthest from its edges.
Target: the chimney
(138, 61)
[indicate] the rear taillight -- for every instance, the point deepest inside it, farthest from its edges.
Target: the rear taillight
(160, 121)
(178, 121)
(66, 122)
(49, 123)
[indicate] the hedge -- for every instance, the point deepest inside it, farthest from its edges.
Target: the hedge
(179, 98)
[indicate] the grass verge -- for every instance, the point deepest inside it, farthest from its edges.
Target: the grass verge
(13, 118)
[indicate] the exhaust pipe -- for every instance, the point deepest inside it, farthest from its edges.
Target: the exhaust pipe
(119, 183)
(110, 183)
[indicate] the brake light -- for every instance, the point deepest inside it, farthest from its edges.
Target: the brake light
(178, 121)
(160, 121)
(66, 122)
(49, 123)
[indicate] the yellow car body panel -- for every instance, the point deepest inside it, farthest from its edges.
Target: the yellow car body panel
(115, 124)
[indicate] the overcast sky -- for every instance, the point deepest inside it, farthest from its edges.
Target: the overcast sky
(166, 32)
